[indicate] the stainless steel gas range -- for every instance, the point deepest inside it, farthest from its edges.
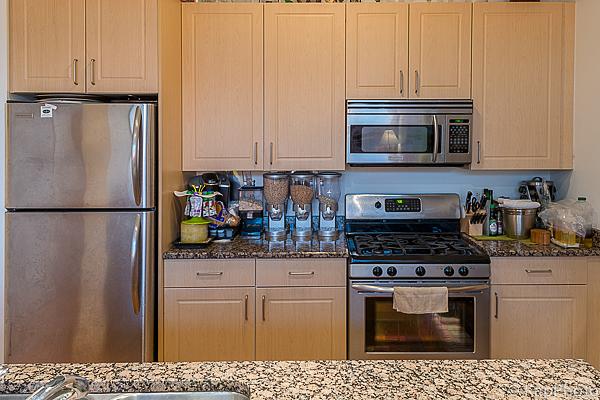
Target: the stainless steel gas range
(414, 240)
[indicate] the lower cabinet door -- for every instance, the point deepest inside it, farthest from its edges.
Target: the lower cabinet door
(543, 321)
(301, 323)
(209, 324)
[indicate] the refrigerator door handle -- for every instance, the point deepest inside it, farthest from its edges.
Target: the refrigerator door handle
(135, 266)
(135, 155)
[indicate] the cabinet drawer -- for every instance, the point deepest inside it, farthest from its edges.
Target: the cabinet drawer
(209, 273)
(539, 270)
(304, 272)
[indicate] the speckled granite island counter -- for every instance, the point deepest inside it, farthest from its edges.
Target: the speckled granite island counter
(259, 248)
(339, 380)
(515, 248)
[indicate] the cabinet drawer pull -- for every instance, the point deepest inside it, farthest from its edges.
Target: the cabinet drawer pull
(301, 273)
(478, 152)
(246, 307)
(264, 318)
(209, 273)
(93, 71)
(496, 312)
(271, 153)
(539, 271)
(75, 81)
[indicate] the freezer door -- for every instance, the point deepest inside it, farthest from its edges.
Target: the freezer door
(95, 155)
(80, 287)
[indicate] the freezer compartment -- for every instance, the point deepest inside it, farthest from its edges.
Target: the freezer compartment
(73, 155)
(80, 287)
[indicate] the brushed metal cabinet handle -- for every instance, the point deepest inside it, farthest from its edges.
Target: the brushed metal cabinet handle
(417, 82)
(209, 274)
(264, 298)
(496, 311)
(478, 152)
(291, 273)
(538, 271)
(75, 80)
(271, 153)
(93, 71)
(246, 307)
(255, 153)
(436, 139)
(401, 83)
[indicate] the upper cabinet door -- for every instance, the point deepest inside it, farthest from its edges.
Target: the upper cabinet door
(222, 86)
(440, 51)
(376, 51)
(304, 86)
(47, 46)
(122, 46)
(522, 85)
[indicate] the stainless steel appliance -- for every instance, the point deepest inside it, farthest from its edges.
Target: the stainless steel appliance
(409, 132)
(414, 240)
(538, 189)
(80, 232)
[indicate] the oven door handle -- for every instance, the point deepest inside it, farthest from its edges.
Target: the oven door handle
(387, 289)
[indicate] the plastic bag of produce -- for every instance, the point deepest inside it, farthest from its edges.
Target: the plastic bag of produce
(570, 222)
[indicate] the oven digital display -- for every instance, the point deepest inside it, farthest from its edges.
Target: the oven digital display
(403, 205)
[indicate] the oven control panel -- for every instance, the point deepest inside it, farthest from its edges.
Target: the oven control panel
(404, 204)
(459, 136)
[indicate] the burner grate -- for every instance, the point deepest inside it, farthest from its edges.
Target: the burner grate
(411, 244)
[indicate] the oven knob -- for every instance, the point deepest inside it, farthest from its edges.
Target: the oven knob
(378, 204)
(448, 271)
(420, 271)
(463, 271)
(392, 271)
(377, 271)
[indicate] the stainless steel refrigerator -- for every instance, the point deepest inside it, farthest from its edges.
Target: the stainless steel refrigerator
(80, 232)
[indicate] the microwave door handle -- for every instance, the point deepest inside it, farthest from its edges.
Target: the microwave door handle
(436, 139)
(387, 289)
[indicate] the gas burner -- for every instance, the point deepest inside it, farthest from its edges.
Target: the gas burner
(411, 244)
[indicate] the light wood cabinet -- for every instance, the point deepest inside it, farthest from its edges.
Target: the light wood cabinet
(386, 60)
(523, 85)
(301, 323)
(222, 86)
(542, 321)
(79, 46)
(209, 324)
(376, 51)
(121, 45)
(440, 51)
(593, 328)
(304, 86)
(47, 46)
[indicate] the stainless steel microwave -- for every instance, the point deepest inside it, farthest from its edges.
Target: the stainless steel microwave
(389, 132)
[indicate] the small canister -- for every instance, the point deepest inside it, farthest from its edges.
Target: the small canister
(194, 230)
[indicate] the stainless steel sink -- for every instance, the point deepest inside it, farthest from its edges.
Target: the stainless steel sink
(149, 396)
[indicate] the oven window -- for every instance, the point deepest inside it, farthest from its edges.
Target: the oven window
(387, 330)
(392, 139)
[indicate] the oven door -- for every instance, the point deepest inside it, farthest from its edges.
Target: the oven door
(377, 331)
(396, 139)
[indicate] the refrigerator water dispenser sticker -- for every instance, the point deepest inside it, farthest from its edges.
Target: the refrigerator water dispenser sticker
(46, 110)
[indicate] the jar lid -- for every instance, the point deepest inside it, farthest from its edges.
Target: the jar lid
(302, 174)
(329, 175)
(196, 221)
(276, 175)
(250, 188)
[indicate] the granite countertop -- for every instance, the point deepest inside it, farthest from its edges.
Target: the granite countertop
(503, 248)
(259, 248)
(339, 380)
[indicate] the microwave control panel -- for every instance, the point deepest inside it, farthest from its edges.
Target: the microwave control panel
(459, 136)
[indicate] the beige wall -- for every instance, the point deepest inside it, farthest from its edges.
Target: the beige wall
(585, 179)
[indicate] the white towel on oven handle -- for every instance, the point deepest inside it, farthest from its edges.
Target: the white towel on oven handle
(421, 300)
